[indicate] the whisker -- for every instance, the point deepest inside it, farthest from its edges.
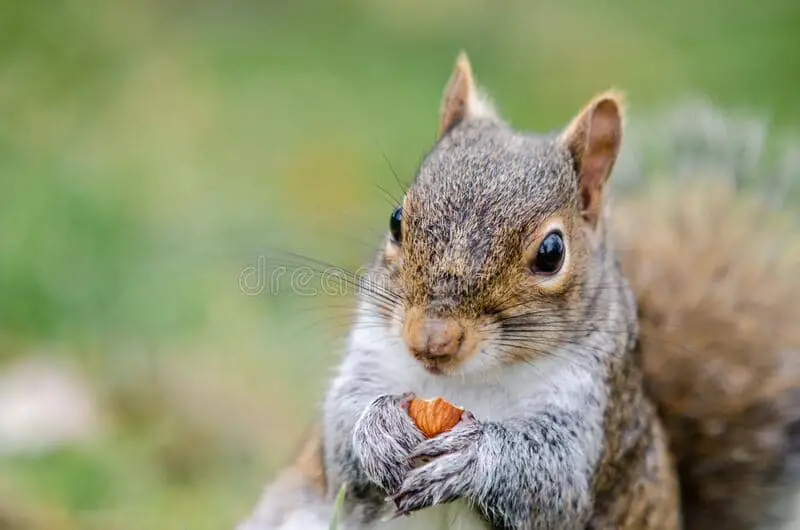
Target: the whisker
(510, 348)
(394, 173)
(350, 279)
(395, 202)
(520, 358)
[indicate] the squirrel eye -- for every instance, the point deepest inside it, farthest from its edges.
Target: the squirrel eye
(550, 255)
(395, 224)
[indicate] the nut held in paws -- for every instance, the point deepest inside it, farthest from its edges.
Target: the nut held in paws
(434, 416)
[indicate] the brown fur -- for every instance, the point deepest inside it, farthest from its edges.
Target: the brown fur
(594, 138)
(309, 460)
(719, 309)
(460, 89)
(635, 486)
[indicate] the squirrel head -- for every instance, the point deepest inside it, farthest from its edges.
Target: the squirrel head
(500, 237)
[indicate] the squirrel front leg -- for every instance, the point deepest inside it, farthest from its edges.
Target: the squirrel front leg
(368, 436)
(523, 473)
(383, 438)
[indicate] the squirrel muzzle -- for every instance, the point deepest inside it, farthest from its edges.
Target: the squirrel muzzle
(437, 342)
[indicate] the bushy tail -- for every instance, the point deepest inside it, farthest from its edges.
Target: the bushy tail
(706, 221)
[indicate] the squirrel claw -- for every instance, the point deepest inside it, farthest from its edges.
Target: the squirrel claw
(405, 399)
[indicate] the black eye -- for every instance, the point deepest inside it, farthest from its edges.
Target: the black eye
(550, 255)
(396, 224)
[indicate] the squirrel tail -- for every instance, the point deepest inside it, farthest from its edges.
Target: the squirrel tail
(705, 220)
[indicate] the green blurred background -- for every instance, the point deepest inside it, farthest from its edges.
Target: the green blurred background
(150, 151)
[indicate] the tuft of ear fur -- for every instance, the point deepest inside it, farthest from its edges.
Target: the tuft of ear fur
(593, 138)
(462, 100)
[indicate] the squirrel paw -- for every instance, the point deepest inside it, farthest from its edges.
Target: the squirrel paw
(384, 438)
(449, 469)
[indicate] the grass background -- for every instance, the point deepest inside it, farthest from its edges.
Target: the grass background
(150, 151)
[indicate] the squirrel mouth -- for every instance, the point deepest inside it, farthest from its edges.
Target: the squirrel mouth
(433, 369)
(436, 366)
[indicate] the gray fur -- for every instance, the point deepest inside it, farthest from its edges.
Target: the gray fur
(530, 469)
(473, 201)
(383, 440)
(529, 461)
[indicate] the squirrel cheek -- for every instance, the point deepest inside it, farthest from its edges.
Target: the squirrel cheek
(553, 285)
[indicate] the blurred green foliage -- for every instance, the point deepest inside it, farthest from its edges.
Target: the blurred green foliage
(150, 151)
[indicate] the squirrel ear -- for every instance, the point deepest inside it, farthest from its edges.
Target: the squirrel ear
(593, 139)
(461, 98)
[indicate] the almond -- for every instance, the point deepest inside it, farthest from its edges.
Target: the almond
(434, 416)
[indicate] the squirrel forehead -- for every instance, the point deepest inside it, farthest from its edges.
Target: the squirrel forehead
(488, 171)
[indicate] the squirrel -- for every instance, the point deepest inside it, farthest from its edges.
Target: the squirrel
(633, 365)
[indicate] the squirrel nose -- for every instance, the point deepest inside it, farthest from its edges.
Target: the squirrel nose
(436, 338)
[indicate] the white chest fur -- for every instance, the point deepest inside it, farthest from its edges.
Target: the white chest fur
(490, 390)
